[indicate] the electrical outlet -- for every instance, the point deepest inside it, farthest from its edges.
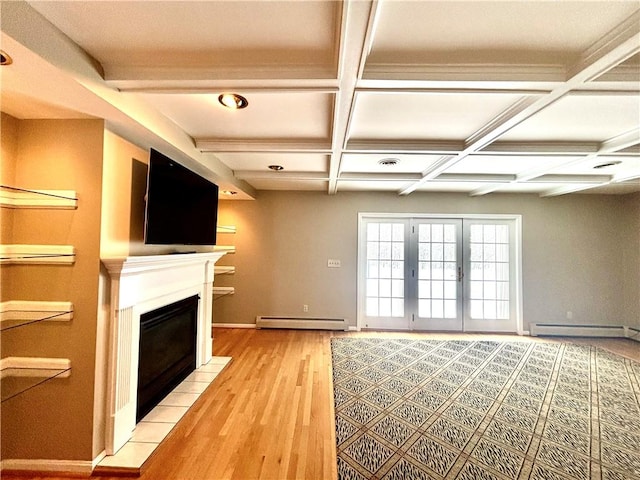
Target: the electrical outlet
(305, 308)
(569, 315)
(333, 263)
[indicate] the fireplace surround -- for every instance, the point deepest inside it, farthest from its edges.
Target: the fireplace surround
(140, 284)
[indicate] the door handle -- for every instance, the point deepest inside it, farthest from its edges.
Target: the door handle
(460, 274)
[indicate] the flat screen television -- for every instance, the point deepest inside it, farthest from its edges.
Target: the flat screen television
(181, 206)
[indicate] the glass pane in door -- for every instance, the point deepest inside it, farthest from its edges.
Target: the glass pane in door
(437, 267)
(437, 246)
(385, 272)
(489, 274)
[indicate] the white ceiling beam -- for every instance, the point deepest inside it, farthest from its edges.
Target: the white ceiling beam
(573, 188)
(245, 87)
(620, 178)
(620, 142)
(486, 189)
(621, 74)
(356, 37)
(482, 74)
(490, 88)
(608, 147)
(141, 78)
(571, 178)
(400, 147)
(216, 145)
(285, 176)
(610, 51)
(625, 177)
(614, 48)
(539, 148)
(475, 177)
(379, 177)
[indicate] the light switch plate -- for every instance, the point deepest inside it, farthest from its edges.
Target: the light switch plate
(332, 263)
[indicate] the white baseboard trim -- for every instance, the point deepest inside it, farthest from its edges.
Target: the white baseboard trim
(43, 465)
(353, 329)
(577, 330)
(234, 325)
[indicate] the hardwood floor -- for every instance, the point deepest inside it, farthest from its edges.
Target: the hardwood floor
(269, 414)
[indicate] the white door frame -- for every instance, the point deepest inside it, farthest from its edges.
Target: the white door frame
(361, 261)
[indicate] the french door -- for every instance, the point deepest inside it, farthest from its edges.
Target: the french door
(432, 273)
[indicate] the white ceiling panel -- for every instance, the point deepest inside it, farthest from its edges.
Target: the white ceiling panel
(581, 118)
(205, 33)
(419, 116)
(607, 166)
(439, 186)
(510, 164)
(370, 186)
(291, 162)
(292, 185)
(362, 162)
(533, 187)
(268, 116)
(492, 31)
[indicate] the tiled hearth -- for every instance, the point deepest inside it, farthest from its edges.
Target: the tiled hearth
(153, 428)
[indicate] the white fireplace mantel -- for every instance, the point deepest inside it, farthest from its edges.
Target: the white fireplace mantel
(141, 284)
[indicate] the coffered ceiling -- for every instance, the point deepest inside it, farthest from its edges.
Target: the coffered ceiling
(457, 96)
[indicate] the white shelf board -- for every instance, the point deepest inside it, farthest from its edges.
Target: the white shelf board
(224, 269)
(11, 197)
(37, 254)
(226, 229)
(222, 291)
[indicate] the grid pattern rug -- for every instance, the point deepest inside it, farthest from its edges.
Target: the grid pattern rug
(476, 410)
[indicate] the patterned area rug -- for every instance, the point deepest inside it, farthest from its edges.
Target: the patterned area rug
(475, 410)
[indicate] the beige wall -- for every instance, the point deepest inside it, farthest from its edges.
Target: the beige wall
(8, 153)
(631, 252)
(574, 255)
(54, 421)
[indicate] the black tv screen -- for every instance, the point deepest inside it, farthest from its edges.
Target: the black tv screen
(182, 206)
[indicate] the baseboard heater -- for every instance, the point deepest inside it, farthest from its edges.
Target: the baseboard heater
(308, 323)
(557, 329)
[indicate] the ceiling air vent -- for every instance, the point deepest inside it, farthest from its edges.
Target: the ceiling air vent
(389, 162)
(608, 164)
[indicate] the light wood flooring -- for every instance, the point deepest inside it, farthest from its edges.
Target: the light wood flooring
(269, 414)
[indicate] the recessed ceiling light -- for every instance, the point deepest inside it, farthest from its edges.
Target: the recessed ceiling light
(276, 168)
(229, 192)
(388, 162)
(233, 101)
(5, 59)
(608, 164)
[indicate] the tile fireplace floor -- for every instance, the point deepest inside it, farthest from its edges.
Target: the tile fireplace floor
(154, 427)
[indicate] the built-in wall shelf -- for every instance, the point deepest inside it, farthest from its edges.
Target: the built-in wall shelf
(13, 197)
(225, 248)
(20, 374)
(224, 269)
(14, 313)
(226, 229)
(37, 254)
(223, 291)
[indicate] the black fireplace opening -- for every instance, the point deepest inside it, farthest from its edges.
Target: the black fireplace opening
(167, 351)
